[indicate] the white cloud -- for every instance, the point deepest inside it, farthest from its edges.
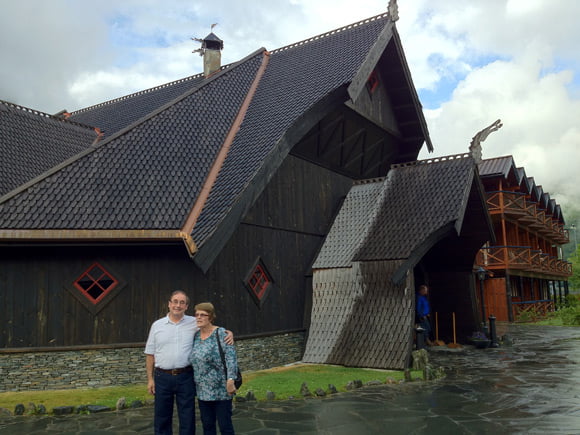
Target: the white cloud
(539, 121)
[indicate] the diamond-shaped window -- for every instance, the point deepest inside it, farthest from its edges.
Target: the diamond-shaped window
(95, 283)
(258, 282)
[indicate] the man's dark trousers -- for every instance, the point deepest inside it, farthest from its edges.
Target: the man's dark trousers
(182, 388)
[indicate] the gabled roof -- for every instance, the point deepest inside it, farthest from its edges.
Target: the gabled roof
(523, 181)
(188, 159)
(503, 167)
(414, 207)
(32, 142)
(497, 166)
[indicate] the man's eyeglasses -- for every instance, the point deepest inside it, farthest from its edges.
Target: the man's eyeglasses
(201, 315)
(176, 302)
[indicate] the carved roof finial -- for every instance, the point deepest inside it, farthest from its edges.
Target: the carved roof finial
(475, 146)
(393, 10)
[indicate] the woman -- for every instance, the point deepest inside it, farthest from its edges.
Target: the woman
(214, 393)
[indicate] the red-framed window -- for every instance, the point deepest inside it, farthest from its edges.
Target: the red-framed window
(95, 283)
(258, 282)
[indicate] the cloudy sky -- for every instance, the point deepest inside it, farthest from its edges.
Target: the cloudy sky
(472, 62)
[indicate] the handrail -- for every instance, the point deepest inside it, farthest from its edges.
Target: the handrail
(521, 257)
(505, 191)
(530, 302)
(508, 246)
(529, 213)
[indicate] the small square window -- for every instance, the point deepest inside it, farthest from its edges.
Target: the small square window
(95, 283)
(258, 282)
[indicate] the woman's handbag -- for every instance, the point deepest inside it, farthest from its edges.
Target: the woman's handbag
(238, 378)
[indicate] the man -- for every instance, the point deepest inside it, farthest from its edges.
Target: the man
(422, 311)
(169, 373)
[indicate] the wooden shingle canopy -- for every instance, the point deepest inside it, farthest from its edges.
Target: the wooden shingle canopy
(183, 162)
(415, 206)
(363, 301)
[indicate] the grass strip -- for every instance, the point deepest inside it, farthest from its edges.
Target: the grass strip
(285, 382)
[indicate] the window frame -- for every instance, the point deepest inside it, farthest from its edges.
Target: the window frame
(264, 277)
(95, 305)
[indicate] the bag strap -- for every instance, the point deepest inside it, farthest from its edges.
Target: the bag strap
(221, 353)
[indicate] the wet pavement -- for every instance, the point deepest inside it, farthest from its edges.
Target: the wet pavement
(530, 387)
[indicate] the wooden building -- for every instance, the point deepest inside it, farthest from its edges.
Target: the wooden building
(226, 185)
(525, 266)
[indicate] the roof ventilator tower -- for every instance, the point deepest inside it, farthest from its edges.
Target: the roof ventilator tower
(211, 47)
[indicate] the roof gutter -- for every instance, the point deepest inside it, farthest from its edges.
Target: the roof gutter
(65, 236)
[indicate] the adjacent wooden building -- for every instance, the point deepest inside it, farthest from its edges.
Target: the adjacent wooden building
(525, 268)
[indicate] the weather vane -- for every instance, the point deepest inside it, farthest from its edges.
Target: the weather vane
(201, 50)
(393, 9)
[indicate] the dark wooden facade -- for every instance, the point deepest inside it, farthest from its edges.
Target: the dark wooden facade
(284, 229)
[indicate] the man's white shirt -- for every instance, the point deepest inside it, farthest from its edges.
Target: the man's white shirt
(171, 343)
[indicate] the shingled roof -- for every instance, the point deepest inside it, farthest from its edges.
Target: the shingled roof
(147, 176)
(415, 206)
(33, 142)
(188, 159)
(115, 115)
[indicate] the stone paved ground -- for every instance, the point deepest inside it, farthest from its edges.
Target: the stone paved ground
(530, 387)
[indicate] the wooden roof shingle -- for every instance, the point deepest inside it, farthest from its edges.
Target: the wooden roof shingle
(32, 142)
(407, 213)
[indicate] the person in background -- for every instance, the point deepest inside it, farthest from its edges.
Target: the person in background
(169, 372)
(423, 312)
(214, 382)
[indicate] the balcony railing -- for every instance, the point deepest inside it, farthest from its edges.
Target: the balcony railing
(522, 258)
(514, 204)
(535, 309)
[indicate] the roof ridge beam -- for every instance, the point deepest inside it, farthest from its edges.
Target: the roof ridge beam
(195, 212)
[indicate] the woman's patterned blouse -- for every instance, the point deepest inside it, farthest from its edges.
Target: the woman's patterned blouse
(208, 369)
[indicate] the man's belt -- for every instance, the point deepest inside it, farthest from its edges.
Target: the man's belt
(174, 372)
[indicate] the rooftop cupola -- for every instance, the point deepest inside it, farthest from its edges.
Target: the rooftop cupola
(211, 47)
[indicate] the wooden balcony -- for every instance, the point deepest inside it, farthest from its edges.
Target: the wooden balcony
(522, 258)
(514, 205)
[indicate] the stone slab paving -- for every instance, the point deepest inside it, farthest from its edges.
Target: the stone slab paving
(530, 387)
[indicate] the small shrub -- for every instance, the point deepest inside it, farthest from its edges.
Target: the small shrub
(528, 316)
(567, 315)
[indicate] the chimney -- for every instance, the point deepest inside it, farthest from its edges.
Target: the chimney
(211, 47)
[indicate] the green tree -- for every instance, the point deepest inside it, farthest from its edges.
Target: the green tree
(574, 280)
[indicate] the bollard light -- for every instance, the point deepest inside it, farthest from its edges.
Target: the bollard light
(481, 275)
(492, 332)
